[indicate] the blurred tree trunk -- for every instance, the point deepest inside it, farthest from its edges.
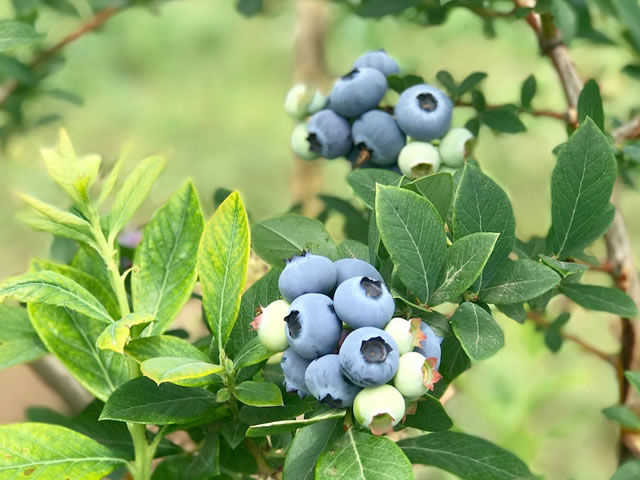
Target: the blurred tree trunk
(310, 67)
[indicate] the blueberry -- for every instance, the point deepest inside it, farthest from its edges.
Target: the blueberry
(303, 100)
(430, 346)
(307, 273)
(454, 147)
(369, 357)
(416, 375)
(363, 302)
(406, 333)
(378, 133)
(358, 91)
(294, 368)
(329, 134)
(379, 408)
(378, 59)
(270, 326)
(423, 112)
(418, 159)
(327, 384)
(313, 329)
(300, 143)
(354, 267)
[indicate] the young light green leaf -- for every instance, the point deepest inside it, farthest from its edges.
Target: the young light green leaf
(466, 456)
(357, 455)
(602, 299)
(111, 180)
(52, 288)
(50, 451)
(528, 91)
(581, 186)
(429, 416)
(115, 336)
(465, 260)
(479, 334)
(143, 349)
(165, 261)
(132, 193)
(279, 238)
(258, 394)
(563, 268)
(305, 448)
(413, 233)
(518, 281)
(363, 182)
(142, 401)
(623, 415)
(273, 428)
(19, 343)
(437, 188)
(223, 257)
(480, 205)
(178, 370)
(590, 104)
(253, 352)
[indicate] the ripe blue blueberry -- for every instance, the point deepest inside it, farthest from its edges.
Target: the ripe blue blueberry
(423, 112)
(418, 159)
(455, 146)
(313, 329)
(354, 267)
(363, 302)
(270, 326)
(369, 357)
(329, 134)
(416, 375)
(378, 133)
(293, 369)
(379, 408)
(327, 384)
(358, 91)
(306, 273)
(300, 143)
(430, 345)
(378, 59)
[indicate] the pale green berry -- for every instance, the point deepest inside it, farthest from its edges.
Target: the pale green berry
(299, 143)
(318, 102)
(379, 408)
(415, 376)
(400, 331)
(418, 159)
(455, 146)
(302, 100)
(270, 325)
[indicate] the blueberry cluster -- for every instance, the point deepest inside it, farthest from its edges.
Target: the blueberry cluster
(350, 123)
(342, 344)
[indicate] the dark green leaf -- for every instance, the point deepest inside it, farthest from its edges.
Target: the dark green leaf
(634, 379)
(479, 103)
(400, 83)
(306, 447)
(454, 360)
(363, 182)
(479, 334)
(518, 281)
(258, 394)
(12, 68)
(292, 408)
(206, 463)
(503, 119)
(470, 82)
(514, 311)
(249, 8)
(603, 299)
(553, 340)
(629, 470)
(430, 416)
(629, 15)
(447, 81)
(380, 8)
(437, 188)
(563, 268)
(19, 343)
(623, 415)
(253, 352)
(590, 104)
(13, 34)
(528, 91)
(354, 249)
(281, 426)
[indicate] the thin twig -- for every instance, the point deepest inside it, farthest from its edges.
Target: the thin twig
(536, 113)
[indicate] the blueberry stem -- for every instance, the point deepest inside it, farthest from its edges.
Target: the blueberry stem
(363, 157)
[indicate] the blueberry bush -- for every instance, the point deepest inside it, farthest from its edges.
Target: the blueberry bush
(338, 362)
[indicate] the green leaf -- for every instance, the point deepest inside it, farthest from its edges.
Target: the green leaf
(223, 257)
(142, 401)
(518, 281)
(581, 186)
(115, 336)
(363, 182)
(281, 426)
(50, 451)
(14, 34)
(258, 394)
(447, 81)
(466, 456)
(466, 259)
(110, 182)
(52, 288)
(634, 379)
(514, 311)
(279, 238)
(602, 299)
(133, 193)
(146, 348)
(503, 119)
(629, 16)
(590, 104)
(528, 91)
(470, 82)
(413, 233)
(361, 456)
(400, 83)
(293, 408)
(253, 352)
(177, 370)
(13, 68)
(19, 343)
(306, 446)
(430, 416)
(354, 249)
(630, 470)
(88, 261)
(165, 262)
(563, 268)
(479, 334)
(623, 415)
(480, 205)
(454, 360)
(437, 188)
(206, 463)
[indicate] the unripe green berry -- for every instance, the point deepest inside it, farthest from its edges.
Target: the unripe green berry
(454, 147)
(379, 408)
(302, 100)
(406, 333)
(415, 376)
(270, 325)
(418, 159)
(299, 143)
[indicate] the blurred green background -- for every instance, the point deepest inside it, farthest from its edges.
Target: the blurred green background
(205, 85)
